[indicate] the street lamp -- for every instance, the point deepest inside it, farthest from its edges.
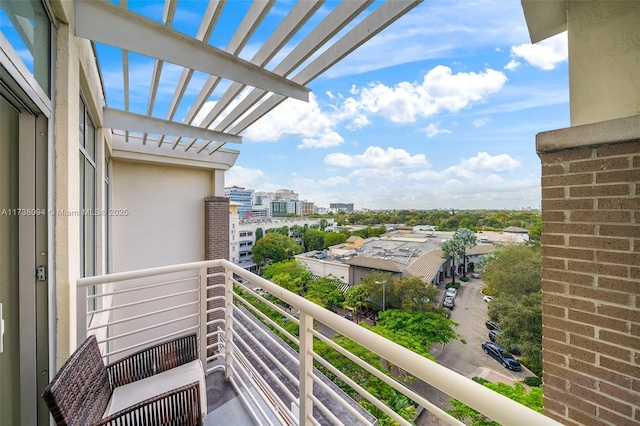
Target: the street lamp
(383, 292)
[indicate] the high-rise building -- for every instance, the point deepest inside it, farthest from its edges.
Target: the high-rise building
(341, 207)
(243, 197)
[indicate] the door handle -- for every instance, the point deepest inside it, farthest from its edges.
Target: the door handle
(1, 330)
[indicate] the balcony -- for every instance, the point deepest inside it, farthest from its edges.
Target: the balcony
(260, 350)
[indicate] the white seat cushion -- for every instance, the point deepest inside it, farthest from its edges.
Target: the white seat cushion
(133, 393)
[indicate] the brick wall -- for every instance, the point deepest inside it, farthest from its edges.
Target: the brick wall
(591, 281)
(216, 246)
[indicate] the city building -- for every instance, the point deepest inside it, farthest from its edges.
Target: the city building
(286, 195)
(403, 253)
(341, 207)
(306, 208)
(243, 198)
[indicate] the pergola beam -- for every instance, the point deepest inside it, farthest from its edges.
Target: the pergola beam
(96, 20)
(378, 20)
(128, 121)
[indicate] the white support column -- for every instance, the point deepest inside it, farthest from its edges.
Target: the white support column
(306, 369)
(228, 323)
(203, 317)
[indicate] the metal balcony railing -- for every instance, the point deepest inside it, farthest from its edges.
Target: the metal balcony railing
(249, 336)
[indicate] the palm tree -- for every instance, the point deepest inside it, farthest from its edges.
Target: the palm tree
(454, 249)
(469, 240)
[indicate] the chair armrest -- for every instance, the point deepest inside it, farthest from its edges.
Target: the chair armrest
(153, 360)
(180, 406)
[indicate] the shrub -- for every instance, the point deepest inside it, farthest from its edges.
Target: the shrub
(454, 285)
(533, 381)
(533, 366)
(465, 279)
(480, 380)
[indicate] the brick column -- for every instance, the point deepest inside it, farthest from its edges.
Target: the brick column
(216, 246)
(591, 272)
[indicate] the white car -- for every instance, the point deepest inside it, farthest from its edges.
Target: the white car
(449, 302)
(487, 299)
(475, 275)
(451, 292)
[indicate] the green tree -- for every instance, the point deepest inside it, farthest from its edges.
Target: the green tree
(513, 269)
(530, 398)
(415, 295)
(420, 328)
(323, 224)
(356, 297)
(521, 324)
(513, 276)
(398, 292)
(325, 291)
(314, 240)
(259, 233)
(333, 238)
(274, 247)
(454, 249)
(289, 274)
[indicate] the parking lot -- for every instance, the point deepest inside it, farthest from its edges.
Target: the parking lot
(469, 359)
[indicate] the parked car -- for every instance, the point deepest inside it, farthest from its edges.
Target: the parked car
(487, 299)
(503, 357)
(449, 302)
(492, 325)
(451, 292)
(475, 275)
(260, 291)
(493, 335)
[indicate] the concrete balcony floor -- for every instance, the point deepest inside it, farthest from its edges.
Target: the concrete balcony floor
(223, 405)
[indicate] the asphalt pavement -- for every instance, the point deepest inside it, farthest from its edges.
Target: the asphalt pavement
(470, 312)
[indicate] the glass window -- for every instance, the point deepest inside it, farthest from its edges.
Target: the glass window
(27, 27)
(87, 179)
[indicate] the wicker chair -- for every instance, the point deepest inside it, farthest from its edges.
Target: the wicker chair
(161, 385)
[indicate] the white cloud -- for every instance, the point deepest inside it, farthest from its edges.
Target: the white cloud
(334, 181)
(440, 91)
(325, 141)
(432, 130)
(243, 177)
(481, 122)
(512, 65)
(544, 55)
(291, 117)
(486, 162)
(480, 167)
(376, 157)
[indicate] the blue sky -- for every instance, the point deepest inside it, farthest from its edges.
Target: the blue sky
(440, 110)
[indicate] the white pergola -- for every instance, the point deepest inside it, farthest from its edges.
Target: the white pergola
(343, 27)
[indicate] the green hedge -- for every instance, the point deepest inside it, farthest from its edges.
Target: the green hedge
(533, 381)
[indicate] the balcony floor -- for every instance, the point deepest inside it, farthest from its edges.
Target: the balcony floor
(223, 405)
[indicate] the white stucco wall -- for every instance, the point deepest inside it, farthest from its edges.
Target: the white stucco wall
(164, 224)
(603, 60)
(322, 268)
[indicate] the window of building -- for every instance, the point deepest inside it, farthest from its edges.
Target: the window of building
(87, 192)
(27, 27)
